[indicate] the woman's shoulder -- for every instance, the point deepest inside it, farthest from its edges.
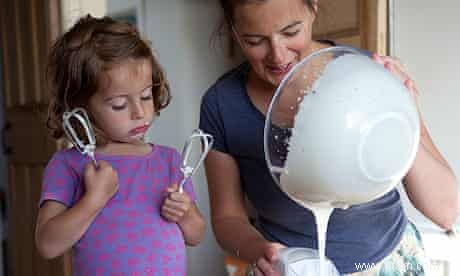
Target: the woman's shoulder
(231, 80)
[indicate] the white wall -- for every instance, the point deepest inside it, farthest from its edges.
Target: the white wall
(427, 40)
(180, 32)
(426, 37)
(71, 10)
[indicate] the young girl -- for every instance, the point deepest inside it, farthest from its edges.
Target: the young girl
(125, 216)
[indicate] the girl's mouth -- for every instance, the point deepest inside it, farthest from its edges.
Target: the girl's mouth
(139, 130)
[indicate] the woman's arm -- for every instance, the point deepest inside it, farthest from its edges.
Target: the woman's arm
(430, 183)
(229, 219)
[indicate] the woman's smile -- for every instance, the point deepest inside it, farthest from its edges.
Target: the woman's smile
(280, 70)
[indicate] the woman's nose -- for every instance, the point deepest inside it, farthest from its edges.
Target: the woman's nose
(277, 51)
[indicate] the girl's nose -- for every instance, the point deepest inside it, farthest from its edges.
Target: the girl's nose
(137, 111)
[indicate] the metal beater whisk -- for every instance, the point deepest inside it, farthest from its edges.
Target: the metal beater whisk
(206, 144)
(80, 143)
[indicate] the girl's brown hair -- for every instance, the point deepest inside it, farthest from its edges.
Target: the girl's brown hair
(80, 56)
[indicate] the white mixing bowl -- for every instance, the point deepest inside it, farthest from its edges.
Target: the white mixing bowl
(340, 129)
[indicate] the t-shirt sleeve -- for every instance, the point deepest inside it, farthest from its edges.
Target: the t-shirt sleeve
(177, 175)
(59, 181)
(211, 120)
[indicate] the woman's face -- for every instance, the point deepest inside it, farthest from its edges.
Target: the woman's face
(274, 35)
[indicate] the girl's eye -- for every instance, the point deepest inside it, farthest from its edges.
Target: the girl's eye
(118, 107)
(118, 104)
(147, 94)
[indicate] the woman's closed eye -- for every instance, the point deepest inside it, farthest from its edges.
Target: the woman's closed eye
(291, 33)
(259, 41)
(254, 42)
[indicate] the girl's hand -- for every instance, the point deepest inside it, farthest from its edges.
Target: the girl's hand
(265, 265)
(101, 183)
(395, 66)
(176, 204)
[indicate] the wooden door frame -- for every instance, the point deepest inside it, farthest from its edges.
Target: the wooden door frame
(375, 26)
(18, 57)
(369, 31)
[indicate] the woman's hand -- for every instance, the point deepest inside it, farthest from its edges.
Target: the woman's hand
(395, 66)
(176, 204)
(265, 265)
(101, 183)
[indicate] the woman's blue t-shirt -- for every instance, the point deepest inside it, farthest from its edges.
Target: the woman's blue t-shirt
(363, 233)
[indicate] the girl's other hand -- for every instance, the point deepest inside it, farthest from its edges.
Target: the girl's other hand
(101, 183)
(176, 204)
(265, 265)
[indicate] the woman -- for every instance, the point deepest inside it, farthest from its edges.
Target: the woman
(274, 35)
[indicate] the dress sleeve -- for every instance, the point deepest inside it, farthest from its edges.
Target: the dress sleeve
(59, 181)
(211, 119)
(177, 175)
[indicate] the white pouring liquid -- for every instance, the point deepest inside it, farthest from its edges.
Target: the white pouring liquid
(322, 212)
(322, 215)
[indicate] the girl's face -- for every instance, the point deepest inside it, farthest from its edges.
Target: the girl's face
(274, 35)
(123, 108)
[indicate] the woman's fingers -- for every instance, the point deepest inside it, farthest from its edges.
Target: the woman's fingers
(395, 66)
(410, 84)
(377, 58)
(399, 71)
(271, 253)
(265, 267)
(257, 271)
